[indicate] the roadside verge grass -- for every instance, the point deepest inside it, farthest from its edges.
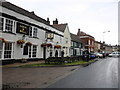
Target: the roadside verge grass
(81, 62)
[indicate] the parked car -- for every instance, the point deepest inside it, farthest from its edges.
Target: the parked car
(104, 54)
(92, 56)
(99, 55)
(114, 54)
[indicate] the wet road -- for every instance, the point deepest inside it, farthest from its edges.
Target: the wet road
(101, 74)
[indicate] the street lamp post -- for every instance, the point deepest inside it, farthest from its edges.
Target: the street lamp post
(103, 47)
(103, 34)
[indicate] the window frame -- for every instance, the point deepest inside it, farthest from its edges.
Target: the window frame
(1, 23)
(31, 51)
(11, 51)
(35, 32)
(9, 25)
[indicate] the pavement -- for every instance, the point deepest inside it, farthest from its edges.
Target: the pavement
(33, 77)
(20, 64)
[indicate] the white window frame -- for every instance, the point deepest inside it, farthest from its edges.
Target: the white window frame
(12, 50)
(31, 34)
(5, 25)
(35, 32)
(2, 22)
(1, 50)
(88, 42)
(34, 51)
(31, 51)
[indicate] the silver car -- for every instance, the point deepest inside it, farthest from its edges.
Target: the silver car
(114, 54)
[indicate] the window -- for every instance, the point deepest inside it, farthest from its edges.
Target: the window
(8, 50)
(89, 42)
(1, 23)
(30, 52)
(9, 25)
(72, 43)
(34, 51)
(35, 30)
(1, 46)
(30, 31)
(75, 44)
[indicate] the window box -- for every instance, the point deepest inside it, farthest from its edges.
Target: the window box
(29, 43)
(57, 46)
(46, 45)
(20, 42)
(3, 40)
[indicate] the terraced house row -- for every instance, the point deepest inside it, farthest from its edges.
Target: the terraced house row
(23, 34)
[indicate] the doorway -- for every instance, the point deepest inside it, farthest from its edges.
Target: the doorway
(44, 53)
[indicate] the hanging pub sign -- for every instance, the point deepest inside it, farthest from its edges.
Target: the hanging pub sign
(50, 35)
(22, 28)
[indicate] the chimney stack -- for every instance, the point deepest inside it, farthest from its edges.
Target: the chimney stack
(78, 33)
(48, 20)
(55, 22)
(32, 12)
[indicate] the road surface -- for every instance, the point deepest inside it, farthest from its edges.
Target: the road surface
(101, 74)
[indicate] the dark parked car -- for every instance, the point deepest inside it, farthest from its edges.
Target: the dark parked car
(92, 56)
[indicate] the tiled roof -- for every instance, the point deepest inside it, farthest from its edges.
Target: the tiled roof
(84, 34)
(75, 38)
(23, 12)
(60, 27)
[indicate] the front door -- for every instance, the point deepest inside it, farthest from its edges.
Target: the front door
(44, 52)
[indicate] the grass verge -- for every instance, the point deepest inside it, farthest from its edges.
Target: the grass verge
(57, 64)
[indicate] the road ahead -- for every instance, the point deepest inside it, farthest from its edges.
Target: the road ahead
(101, 74)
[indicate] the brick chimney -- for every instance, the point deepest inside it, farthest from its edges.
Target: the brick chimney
(32, 12)
(48, 20)
(55, 22)
(78, 33)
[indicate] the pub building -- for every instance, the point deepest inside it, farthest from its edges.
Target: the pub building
(24, 35)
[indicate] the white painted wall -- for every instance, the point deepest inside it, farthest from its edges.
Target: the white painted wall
(67, 41)
(18, 51)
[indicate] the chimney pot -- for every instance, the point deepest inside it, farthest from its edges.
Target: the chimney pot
(56, 21)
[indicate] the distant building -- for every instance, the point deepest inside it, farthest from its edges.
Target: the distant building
(87, 39)
(97, 46)
(76, 45)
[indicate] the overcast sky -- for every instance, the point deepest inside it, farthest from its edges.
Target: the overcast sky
(91, 16)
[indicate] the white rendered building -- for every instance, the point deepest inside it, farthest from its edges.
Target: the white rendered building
(25, 35)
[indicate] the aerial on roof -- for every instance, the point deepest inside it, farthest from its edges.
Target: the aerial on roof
(23, 12)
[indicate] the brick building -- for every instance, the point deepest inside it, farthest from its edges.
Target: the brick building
(87, 39)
